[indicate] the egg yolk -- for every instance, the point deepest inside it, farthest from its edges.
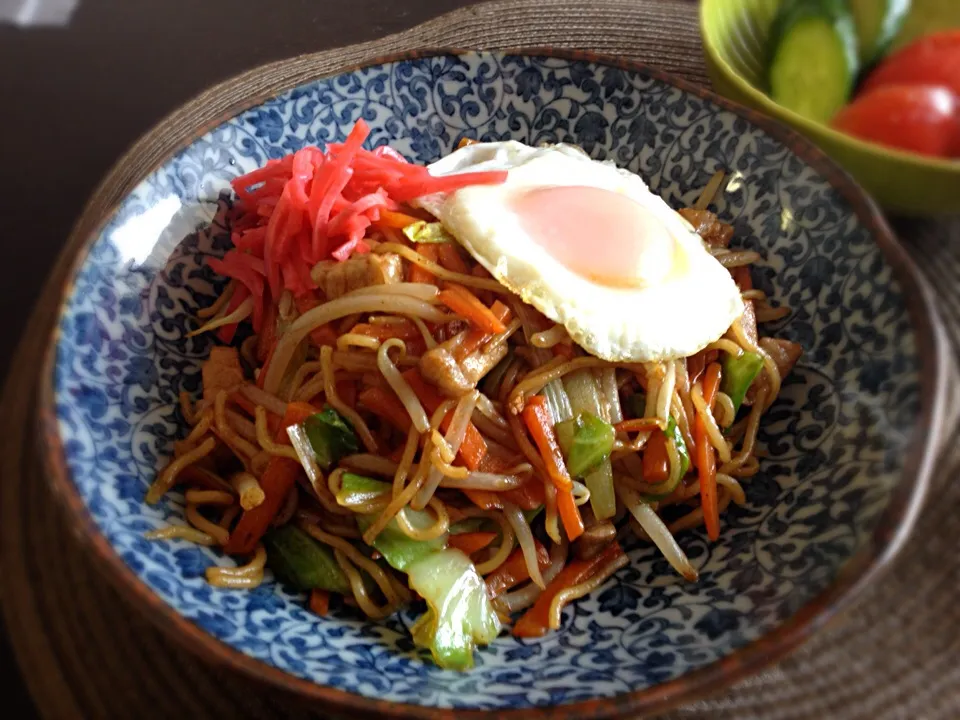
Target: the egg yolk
(602, 235)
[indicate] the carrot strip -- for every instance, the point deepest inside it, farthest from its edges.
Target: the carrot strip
(385, 406)
(417, 274)
(471, 542)
(476, 337)
(468, 306)
(319, 601)
(528, 496)
(347, 392)
(323, 335)
(278, 479)
(696, 364)
(514, 570)
(569, 514)
(536, 416)
(638, 425)
(244, 403)
(485, 499)
(397, 220)
(226, 333)
(706, 456)
(656, 462)
(743, 278)
(711, 383)
(536, 621)
(405, 330)
(450, 259)
(473, 448)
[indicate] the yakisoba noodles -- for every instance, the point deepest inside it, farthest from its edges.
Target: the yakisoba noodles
(437, 398)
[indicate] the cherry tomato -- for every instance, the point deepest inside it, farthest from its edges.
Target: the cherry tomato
(922, 118)
(931, 60)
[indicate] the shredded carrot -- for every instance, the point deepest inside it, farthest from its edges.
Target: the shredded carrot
(563, 349)
(536, 416)
(514, 570)
(485, 499)
(711, 383)
(398, 220)
(468, 306)
(319, 601)
(451, 259)
(473, 448)
(417, 274)
(706, 456)
(638, 425)
(743, 278)
(477, 337)
(466, 141)
(347, 392)
(536, 621)
(656, 461)
(471, 542)
(386, 406)
(404, 330)
(528, 496)
(696, 364)
(323, 335)
(569, 514)
(278, 478)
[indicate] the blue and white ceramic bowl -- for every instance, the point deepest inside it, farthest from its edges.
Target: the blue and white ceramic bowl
(847, 446)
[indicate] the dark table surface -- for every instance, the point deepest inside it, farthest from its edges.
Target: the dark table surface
(75, 97)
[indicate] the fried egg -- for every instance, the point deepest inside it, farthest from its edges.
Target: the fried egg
(589, 246)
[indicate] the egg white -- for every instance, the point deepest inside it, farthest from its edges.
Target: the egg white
(693, 304)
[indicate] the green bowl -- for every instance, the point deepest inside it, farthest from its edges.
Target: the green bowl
(734, 40)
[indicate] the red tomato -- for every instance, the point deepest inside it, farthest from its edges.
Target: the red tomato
(931, 60)
(921, 118)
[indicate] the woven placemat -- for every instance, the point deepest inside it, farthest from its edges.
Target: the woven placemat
(86, 653)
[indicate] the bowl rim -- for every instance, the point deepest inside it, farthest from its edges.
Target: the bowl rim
(814, 128)
(887, 539)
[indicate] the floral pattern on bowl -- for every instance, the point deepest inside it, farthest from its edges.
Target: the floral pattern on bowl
(836, 441)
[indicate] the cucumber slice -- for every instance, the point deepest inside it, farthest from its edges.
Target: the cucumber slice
(814, 57)
(878, 22)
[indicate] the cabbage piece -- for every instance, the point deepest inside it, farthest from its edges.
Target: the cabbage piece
(397, 549)
(459, 615)
(424, 232)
